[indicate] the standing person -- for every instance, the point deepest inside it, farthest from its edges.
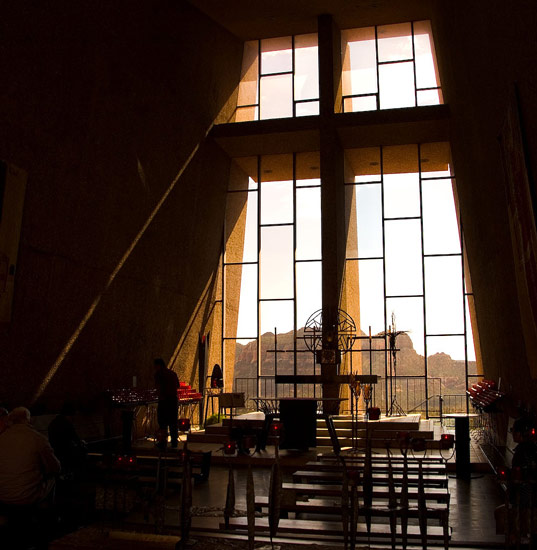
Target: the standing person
(167, 384)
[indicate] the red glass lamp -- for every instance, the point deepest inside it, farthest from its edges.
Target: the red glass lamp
(447, 441)
(183, 424)
(230, 447)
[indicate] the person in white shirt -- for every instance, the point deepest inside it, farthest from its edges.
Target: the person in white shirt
(28, 465)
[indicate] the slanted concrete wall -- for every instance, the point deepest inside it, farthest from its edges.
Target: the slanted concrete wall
(102, 104)
(483, 50)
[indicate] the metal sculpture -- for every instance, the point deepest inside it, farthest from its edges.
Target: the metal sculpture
(391, 334)
(345, 330)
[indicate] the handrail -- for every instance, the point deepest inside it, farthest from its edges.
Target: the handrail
(425, 401)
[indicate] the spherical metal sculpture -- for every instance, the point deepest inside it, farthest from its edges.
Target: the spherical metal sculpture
(345, 330)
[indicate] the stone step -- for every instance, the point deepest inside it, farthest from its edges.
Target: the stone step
(361, 443)
(378, 464)
(332, 506)
(438, 494)
(377, 434)
(332, 528)
(379, 477)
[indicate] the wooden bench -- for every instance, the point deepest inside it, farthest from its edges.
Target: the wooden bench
(379, 478)
(378, 466)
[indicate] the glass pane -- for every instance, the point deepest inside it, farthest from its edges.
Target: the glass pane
(305, 359)
(397, 86)
(364, 164)
(443, 295)
(426, 69)
(276, 96)
(408, 318)
(310, 108)
(249, 75)
(445, 360)
(447, 345)
(276, 202)
(276, 262)
(241, 227)
(368, 221)
(359, 61)
(403, 257)
(395, 42)
(371, 295)
(308, 290)
(440, 227)
(275, 316)
(276, 55)
(401, 195)
(308, 223)
(430, 97)
(357, 104)
(240, 363)
(246, 114)
(240, 315)
(306, 67)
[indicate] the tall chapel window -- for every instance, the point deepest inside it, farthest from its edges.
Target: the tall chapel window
(279, 78)
(389, 66)
(405, 260)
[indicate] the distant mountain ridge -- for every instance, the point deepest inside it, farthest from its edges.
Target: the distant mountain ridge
(409, 362)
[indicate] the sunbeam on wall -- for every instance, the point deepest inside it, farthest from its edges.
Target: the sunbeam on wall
(71, 341)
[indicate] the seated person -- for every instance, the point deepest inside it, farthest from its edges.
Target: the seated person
(28, 465)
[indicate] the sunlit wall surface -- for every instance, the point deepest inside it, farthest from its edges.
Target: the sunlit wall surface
(405, 244)
(279, 79)
(389, 66)
(272, 267)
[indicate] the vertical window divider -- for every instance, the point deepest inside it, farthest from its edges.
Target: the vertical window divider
(258, 273)
(295, 370)
(423, 289)
(415, 76)
(293, 79)
(378, 83)
(464, 297)
(223, 296)
(259, 86)
(383, 264)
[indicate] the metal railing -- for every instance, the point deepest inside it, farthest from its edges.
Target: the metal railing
(409, 392)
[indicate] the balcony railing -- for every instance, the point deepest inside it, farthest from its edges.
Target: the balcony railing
(409, 392)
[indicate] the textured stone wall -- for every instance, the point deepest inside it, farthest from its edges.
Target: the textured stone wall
(483, 49)
(103, 104)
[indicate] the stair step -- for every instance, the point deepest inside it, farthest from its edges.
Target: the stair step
(308, 476)
(332, 528)
(333, 506)
(377, 434)
(440, 494)
(378, 465)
